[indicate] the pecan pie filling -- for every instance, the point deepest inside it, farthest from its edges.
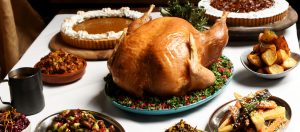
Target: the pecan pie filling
(241, 6)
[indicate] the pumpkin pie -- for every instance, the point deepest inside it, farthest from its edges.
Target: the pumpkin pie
(97, 29)
(246, 12)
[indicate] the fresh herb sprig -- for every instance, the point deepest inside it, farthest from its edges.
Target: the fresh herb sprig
(186, 10)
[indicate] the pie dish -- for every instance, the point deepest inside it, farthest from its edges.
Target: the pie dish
(276, 10)
(60, 67)
(97, 29)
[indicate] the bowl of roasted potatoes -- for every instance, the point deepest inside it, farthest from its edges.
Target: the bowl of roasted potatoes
(271, 57)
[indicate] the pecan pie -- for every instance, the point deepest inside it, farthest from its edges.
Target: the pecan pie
(246, 12)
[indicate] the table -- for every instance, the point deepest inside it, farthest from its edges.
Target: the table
(88, 93)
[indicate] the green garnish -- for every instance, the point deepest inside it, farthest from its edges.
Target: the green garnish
(77, 120)
(182, 126)
(186, 10)
(222, 70)
(249, 104)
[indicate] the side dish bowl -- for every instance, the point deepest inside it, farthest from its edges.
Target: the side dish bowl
(61, 67)
(246, 64)
(45, 123)
(63, 78)
(11, 120)
(218, 114)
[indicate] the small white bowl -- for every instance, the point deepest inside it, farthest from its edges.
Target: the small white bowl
(245, 63)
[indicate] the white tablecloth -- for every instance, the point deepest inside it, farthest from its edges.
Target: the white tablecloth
(88, 93)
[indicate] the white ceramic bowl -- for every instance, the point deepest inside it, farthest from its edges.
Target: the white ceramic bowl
(245, 63)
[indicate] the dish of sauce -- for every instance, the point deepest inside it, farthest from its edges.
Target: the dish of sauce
(103, 25)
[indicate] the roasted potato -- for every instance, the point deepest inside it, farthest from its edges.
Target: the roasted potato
(264, 47)
(256, 48)
(267, 37)
(289, 63)
(269, 57)
(281, 56)
(282, 44)
(261, 70)
(254, 59)
(274, 69)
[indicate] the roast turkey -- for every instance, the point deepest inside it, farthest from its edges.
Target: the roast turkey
(167, 56)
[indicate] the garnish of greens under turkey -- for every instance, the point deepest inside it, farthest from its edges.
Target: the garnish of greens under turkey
(222, 70)
(188, 11)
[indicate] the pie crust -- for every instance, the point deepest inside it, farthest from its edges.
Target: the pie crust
(277, 12)
(85, 40)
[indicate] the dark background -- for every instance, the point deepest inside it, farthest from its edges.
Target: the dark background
(49, 8)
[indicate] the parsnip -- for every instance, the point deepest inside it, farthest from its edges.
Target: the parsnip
(276, 124)
(274, 113)
(225, 123)
(227, 128)
(258, 120)
(266, 105)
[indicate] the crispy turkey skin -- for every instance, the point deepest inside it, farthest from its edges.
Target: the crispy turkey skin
(167, 56)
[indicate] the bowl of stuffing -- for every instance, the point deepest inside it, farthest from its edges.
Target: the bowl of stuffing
(60, 67)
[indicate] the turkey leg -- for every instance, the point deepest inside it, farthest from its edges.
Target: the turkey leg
(140, 21)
